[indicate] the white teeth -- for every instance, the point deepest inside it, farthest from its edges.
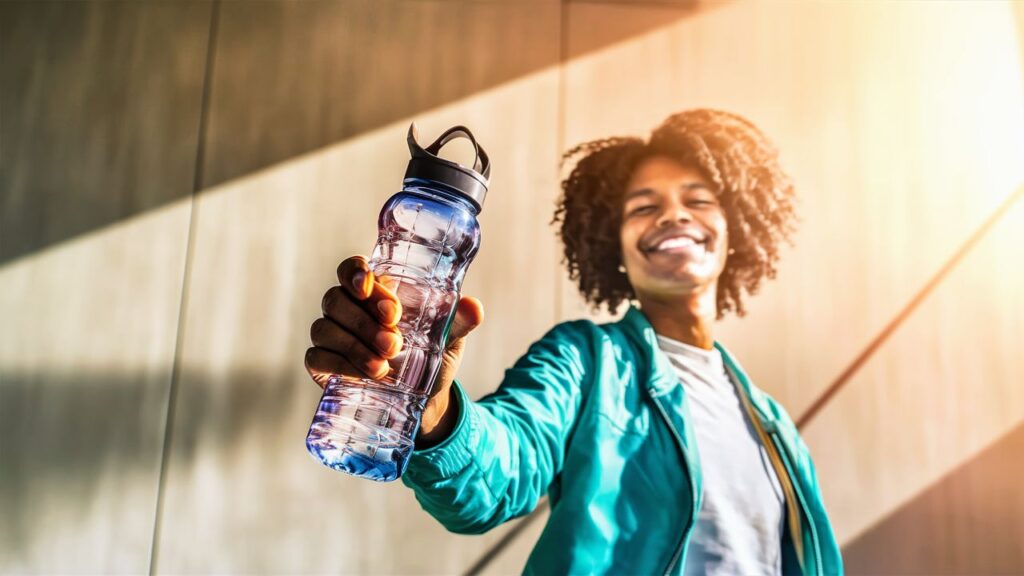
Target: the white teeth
(676, 242)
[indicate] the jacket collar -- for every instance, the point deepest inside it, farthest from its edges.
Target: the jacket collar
(662, 377)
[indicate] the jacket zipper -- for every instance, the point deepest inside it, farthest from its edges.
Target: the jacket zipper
(693, 491)
(800, 499)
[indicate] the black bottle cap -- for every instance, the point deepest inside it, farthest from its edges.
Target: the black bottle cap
(426, 165)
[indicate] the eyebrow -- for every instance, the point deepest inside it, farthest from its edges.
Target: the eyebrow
(648, 191)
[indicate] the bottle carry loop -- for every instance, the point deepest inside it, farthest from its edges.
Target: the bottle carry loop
(481, 163)
(471, 182)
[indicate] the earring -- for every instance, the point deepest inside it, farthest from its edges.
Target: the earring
(622, 268)
(732, 251)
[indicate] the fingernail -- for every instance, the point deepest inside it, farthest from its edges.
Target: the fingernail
(358, 279)
(387, 310)
(386, 341)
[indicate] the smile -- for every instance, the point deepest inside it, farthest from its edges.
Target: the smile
(678, 244)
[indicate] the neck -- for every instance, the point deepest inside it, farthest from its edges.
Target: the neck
(688, 319)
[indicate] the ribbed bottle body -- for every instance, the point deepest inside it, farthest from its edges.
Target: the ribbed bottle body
(426, 240)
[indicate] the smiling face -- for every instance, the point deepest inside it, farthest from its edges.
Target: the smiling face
(674, 232)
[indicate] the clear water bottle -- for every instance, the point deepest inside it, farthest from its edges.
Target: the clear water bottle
(428, 235)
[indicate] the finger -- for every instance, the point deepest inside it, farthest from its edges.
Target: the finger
(355, 277)
(345, 312)
(327, 335)
(323, 365)
(383, 302)
(468, 315)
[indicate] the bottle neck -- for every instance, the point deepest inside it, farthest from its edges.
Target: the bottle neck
(436, 189)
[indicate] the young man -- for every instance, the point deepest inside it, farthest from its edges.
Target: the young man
(657, 452)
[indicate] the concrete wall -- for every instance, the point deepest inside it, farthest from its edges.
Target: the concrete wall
(179, 180)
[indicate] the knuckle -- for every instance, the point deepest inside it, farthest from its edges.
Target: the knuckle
(350, 351)
(316, 330)
(363, 326)
(330, 299)
(366, 357)
(325, 302)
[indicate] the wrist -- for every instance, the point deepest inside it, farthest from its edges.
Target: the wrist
(438, 420)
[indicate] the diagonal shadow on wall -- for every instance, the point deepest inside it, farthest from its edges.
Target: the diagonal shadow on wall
(75, 440)
(101, 101)
(969, 522)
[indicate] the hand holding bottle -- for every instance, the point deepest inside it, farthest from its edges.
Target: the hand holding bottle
(358, 334)
(392, 335)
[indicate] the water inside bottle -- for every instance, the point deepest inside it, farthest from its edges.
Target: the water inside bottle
(365, 427)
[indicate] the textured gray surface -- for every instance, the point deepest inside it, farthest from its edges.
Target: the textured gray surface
(242, 495)
(100, 105)
(100, 114)
(325, 71)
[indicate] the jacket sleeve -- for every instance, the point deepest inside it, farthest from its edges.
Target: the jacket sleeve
(507, 448)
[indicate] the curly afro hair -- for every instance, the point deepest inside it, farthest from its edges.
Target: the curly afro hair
(729, 151)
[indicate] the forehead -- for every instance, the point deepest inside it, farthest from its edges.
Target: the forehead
(660, 171)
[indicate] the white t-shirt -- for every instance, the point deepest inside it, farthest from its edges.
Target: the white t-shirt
(741, 521)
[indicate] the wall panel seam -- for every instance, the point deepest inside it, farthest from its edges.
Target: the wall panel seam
(197, 178)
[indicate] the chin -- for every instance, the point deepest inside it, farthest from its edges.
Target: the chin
(683, 276)
(676, 285)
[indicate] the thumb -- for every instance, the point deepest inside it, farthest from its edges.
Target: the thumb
(468, 315)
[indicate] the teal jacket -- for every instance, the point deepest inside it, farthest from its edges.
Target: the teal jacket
(594, 417)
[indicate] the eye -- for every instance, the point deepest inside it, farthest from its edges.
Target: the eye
(641, 210)
(702, 202)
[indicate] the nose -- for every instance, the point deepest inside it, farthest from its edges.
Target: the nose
(674, 212)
